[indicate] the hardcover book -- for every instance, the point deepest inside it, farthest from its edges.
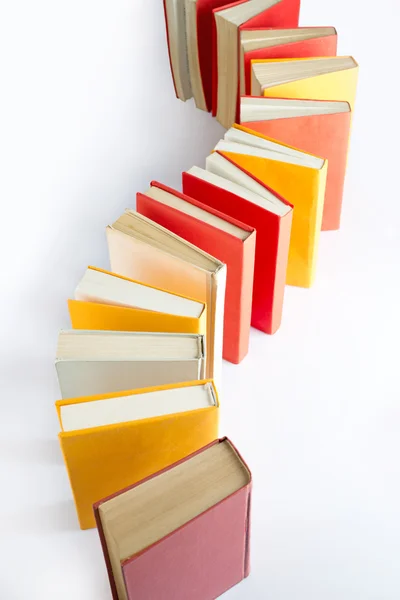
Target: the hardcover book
(333, 78)
(230, 189)
(141, 249)
(298, 177)
(105, 300)
(100, 362)
(192, 38)
(319, 127)
(229, 240)
(230, 21)
(183, 532)
(269, 43)
(199, 34)
(112, 440)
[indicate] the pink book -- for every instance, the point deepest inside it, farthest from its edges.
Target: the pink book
(181, 533)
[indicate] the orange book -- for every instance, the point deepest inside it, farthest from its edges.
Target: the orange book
(128, 305)
(319, 127)
(228, 239)
(296, 176)
(113, 440)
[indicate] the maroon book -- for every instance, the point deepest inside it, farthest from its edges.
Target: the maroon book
(181, 533)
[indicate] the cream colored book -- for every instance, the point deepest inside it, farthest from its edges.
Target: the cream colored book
(143, 250)
(100, 362)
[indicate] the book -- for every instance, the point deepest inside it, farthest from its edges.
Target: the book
(265, 43)
(333, 78)
(230, 20)
(199, 33)
(320, 127)
(297, 176)
(232, 190)
(175, 22)
(124, 312)
(112, 440)
(183, 532)
(100, 362)
(229, 240)
(141, 249)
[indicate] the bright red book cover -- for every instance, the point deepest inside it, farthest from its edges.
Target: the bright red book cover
(205, 22)
(322, 135)
(272, 246)
(322, 46)
(284, 14)
(238, 254)
(198, 561)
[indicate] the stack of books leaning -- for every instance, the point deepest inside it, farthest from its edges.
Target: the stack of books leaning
(190, 271)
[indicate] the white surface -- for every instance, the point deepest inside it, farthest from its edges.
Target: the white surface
(88, 118)
(132, 408)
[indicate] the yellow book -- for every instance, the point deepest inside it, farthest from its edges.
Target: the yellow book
(333, 78)
(297, 176)
(107, 301)
(111, 441)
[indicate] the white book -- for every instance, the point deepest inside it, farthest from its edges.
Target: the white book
(101, 362)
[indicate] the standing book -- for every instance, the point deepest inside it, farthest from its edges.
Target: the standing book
(233, 191)
(319, 127)
(183, 533)
(298, 177)
(112, 440)
(332, 78)
(199, 32)
(269, 43)
(105, 300)
(141, 249)
(231, 241)
(101, 362)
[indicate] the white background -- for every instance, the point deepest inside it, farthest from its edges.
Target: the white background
(89, 117)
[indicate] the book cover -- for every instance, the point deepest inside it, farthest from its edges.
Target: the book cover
(94, 315)
(322, 46)
(237, 254)
(139, 257)
(205, 22)
(321, 135)
(340, 85)
(272, 246)
(102, 460)
(199, 560)
(126, 362)
(304, 188)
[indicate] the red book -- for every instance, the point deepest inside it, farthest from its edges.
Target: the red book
(283, 13)
(181, 533)
(229, 240)
(325, 135)
(312, 47)
(272, 245)
(205, 23)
